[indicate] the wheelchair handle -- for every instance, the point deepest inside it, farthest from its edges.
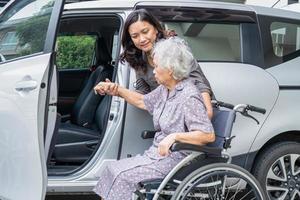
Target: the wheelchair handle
(246, 107)
(223, 104)
(256, 109)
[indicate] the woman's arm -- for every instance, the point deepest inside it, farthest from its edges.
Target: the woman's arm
(193, 137)
(134, 98)
(207, 103)
(199, 128)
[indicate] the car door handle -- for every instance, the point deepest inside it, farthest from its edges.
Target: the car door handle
(27, 85)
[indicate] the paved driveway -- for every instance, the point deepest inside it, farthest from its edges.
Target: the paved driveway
(72, 197)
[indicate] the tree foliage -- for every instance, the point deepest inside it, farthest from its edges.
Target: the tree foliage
(32, 35)
(32, 31)
(75, 51)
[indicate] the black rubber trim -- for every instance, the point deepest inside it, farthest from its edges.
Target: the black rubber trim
(289, 87)
(146, 134)
(197, 148)
(199, 14)
(53, 26)
(48, 86)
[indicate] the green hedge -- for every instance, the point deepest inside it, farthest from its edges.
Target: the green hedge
(75, 52)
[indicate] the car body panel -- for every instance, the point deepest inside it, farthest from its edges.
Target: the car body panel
(281, 119)
(26, 81)
(228, 81)
(22, 163)
(246, 84)
(287, 74)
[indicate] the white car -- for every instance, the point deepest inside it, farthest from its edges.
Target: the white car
(292, 7)
(56, 135)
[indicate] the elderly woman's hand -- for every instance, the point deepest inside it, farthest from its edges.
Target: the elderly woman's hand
(169, 33)
(106, 87)
(165, 144)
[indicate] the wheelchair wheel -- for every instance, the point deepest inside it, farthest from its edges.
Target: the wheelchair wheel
(220, 181)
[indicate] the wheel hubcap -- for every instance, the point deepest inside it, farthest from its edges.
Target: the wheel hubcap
(283, 178)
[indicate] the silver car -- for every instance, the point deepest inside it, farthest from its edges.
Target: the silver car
(56, 136)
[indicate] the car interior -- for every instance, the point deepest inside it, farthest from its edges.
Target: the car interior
(82, 114)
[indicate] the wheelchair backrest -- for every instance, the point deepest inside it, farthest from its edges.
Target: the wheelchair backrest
(222, 122)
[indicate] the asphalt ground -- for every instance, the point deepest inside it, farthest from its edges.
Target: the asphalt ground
(73, 197)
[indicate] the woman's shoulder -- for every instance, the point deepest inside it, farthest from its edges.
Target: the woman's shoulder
(189, 88)
(158, 90)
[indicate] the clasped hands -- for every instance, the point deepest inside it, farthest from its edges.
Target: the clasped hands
(107, 87)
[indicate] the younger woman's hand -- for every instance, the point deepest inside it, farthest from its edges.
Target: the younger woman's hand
(169, 33)
(165, 144)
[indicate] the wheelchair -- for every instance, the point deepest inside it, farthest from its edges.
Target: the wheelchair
(206, 173)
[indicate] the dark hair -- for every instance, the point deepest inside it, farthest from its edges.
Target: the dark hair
(132, 54)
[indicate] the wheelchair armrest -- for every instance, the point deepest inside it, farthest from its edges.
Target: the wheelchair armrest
(146, 134)
(191, 147)
(65, 118)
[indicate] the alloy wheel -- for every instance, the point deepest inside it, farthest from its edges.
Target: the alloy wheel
(283, 178)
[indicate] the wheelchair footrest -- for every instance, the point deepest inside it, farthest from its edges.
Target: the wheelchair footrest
(150, 184)
(148, 188)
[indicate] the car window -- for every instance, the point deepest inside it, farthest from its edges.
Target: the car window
(214, 34)
(210, 41)
(23, 28)
(285, 38)
(75, 51)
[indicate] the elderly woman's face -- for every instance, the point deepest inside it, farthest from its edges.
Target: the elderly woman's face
(161, 74)
(143, 35)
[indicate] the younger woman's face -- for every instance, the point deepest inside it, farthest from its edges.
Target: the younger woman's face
(143, 35)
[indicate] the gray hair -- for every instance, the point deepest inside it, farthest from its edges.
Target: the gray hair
(173, 53)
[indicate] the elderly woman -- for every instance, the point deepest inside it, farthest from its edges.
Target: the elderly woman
(175, 118)
(140, 33)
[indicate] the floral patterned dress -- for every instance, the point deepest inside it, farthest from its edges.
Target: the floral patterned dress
(172, 112)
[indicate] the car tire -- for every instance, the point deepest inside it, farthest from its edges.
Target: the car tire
(278, 170)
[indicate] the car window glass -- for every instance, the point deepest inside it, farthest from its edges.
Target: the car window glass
(285, 38)
(23, 28)
(75, 51)
(210, 41)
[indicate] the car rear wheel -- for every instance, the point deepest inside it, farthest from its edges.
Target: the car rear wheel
(278, 171)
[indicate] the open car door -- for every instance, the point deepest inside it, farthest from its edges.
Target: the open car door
(27, 35)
